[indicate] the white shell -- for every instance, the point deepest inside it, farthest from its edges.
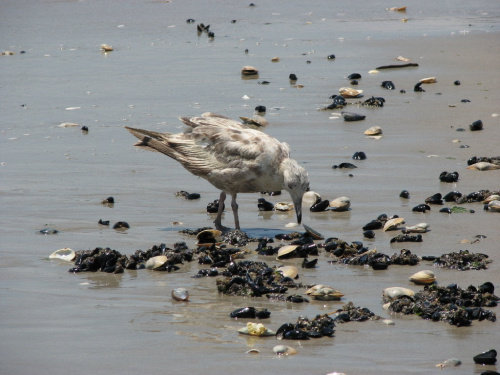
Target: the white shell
(494, 206)
(429, 80)
(283, 206)
(397, 291)
(310, 197)
(324, 293)
(423, 277)
(287, 249)
(484, 166)
(374, 130)
(340, 204)
(180, 294)
(106, 48)
(249, 70)
(284, 350)
(156, 262)
(288, 271)
(63, 254)
(418, 228)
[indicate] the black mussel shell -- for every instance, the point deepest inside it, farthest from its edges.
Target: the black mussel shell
(452, 196)
(260, 108)
(383, 217)
(354, 76)
(244, 312)
(369, 234)
(435, 199)
(331, 57)
(296, 334)
(375, 101)
(213, 207)
(421, 208)
(84, 129)
(472, 160)
(445, 210)
(354, 82)
(108, 200)
(292, 77)
(211, 34)
(359, 155)
(404, 194)
(320, 205)
(121, 225)
(338, 102)
(389, 85)
(379, 265)
(374, 224)
(103, 222)
(190, 20)
(487, 287)
(418, 88)
(448, 177)
(486, 358)
(309, 263)
(192, 196)
(430, 258)
(264, 205)
(465, 101)
(350, 116)
(476, 125)
(489, 372)
(456, 83)
(402, 91)
(344, 165)
(263, 314)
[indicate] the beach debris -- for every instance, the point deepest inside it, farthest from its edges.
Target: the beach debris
(450, 362)
(48, 231)
(397, 9)
(429, 80)
(396, 66)
(256, 329)
(423, 277)
(248, 70)
(418, 87)
(68, 125)
(304, 329)
(351, 313)
(66, 254)
(463, 260)
(213, 207)
(486, 358)
(374, 130)
(484, 166)
(373, 71)
(344, 166)
(401, 58)
(417, 228)
(349, 92)
(284, 350)
(494, 206)
(106, 48)
(180, 294)
(351, 116)
(108, 201)
(250, 313)
(208, 237)
(450, 304)
(340, 204)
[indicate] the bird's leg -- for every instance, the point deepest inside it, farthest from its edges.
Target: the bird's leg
(218, 219)
(234, 206)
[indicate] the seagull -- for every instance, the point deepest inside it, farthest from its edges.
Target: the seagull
(233, 157)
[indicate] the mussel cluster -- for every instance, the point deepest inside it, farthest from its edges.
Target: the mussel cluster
(111, 261)
(450, 304)
(351, 313)
(304, 329)
(253, 279)
(463, 260)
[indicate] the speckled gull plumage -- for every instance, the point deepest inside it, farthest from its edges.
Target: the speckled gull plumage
(232, 157)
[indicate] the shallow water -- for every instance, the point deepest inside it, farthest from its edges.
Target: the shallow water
(54, 322)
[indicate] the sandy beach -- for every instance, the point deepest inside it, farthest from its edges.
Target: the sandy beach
(53, 321)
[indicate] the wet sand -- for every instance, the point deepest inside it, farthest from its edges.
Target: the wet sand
(52, 321)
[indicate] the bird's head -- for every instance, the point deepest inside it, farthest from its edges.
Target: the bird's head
(296, 183)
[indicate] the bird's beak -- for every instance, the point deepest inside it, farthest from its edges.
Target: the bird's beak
(298, 209)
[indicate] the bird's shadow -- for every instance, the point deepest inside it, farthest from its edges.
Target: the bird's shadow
(251, 232)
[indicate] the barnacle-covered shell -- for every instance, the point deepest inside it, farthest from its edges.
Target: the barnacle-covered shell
(418, 228)
(423, 277)
(324, 293)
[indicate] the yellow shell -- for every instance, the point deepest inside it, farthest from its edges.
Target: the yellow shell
(349, 92)
(156, 262)
(429, 80)
(275, 59)
(423, 277)
(256, 329)
(393, 223)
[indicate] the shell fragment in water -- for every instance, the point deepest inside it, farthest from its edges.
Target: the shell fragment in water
(423, 277)
(314, 234)
(249, 70)
(284, 350)
(106, 48)
(256, 329)
(374, 130)
(484, 166)
(340, 204)
(155, 263)
(180, 294)
(63, 254)
(324, 293)
(393, 224)
(418, 228)
(397, 291)
(429, 80)
(401, 58)
(281, 206)
(349, 92)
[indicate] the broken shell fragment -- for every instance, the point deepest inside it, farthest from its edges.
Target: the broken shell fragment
(423, 277)
(484, 166)
(429, 80)
(340, 204)
(283, 206)
(63, 254)
(393, 223)
(349, 92)
(256, 329)
(401, 58)
(374, 130)
(106, 48)
(275, 59)
(180, 294)
(155, 263)
(249, 70)
(284, 350)
(418, 228)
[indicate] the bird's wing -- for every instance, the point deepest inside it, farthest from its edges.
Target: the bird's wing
(212, 119)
